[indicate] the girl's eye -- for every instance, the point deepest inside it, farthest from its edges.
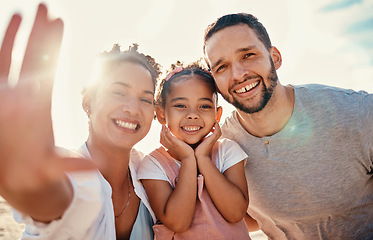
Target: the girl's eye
(206, 106)
(179, 106)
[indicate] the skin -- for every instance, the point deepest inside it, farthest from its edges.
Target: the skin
(32, 176)
(121, 113)
(239, 59)
(189, 118)
(187, 106)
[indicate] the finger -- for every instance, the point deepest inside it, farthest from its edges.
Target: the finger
(162, 133)
(165, 141)
(7, 47)
(43, 48)
(34, 47)
(165, 134)
(52, 47)
(217, 129)
(162, 138)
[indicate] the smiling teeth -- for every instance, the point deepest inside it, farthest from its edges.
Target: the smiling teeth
(191, 128)
(128, 125)
(247, 87)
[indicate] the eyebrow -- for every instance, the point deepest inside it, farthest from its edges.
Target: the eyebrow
(177, 99)
(183, 98)
(237, 51)
(207, 99)
(128, 86)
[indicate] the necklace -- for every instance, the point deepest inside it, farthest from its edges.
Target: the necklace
(129, 196)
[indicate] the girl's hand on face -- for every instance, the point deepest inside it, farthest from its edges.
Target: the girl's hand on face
(208, 142)
(177, 148)
(28, 156)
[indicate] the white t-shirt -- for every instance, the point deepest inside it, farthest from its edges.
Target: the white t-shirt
(228, 154)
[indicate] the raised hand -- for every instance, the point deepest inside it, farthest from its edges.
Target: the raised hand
(28, 157)
(176, 147)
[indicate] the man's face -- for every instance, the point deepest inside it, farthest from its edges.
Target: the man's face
(242, 67)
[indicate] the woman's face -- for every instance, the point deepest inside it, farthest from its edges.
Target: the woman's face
(122, 109)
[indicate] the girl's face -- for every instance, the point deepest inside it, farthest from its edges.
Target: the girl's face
(122, 109)
(190, 109)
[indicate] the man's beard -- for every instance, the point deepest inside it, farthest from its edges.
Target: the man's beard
(266, 95)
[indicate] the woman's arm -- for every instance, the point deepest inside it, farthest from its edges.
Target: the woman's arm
(32, 177)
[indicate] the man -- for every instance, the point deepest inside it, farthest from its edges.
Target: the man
(310, 147)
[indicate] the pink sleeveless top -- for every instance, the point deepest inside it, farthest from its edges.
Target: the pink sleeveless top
(207, 222)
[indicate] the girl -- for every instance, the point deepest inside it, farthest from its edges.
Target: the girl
(108, 203)
(195, 183)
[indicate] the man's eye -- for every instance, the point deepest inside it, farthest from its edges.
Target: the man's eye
(248, 55)
(221, 68)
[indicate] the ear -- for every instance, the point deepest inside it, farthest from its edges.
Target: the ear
(276, 57)
(86, 104)
(159, 111)
(219, 112)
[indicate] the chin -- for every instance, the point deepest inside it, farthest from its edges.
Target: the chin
(194, 144)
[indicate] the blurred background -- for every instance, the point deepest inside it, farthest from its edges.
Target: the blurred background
(321, 41)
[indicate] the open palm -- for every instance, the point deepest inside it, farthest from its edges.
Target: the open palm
(28, 156)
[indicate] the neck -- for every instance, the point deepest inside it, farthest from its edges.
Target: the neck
(273, 117)
(112, 161)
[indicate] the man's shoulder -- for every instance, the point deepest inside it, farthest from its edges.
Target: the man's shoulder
(325, 89)
(318, 95)
(232, 128)
(230, 122)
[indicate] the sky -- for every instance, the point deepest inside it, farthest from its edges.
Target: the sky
(321, 41)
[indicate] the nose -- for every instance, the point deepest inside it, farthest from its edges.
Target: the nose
(238, 71)
(131, 105)
(192, 114)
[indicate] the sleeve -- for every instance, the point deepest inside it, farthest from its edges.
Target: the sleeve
(230, 153)
(367, 125)
(79, 219)
(150, 168)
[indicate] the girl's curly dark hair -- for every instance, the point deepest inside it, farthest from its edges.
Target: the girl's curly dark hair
(193, 69)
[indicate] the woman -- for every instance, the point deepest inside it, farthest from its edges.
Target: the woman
(106, 204)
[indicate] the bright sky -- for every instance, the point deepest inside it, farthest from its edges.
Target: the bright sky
(321, 41)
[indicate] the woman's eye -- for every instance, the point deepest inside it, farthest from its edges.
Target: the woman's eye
(146, 100)
(118, 93)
